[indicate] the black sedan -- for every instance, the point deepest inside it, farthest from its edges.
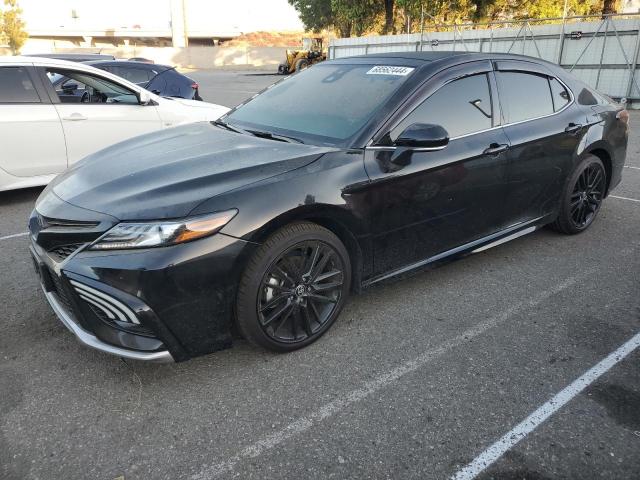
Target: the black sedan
(344, 175)
(159, 79)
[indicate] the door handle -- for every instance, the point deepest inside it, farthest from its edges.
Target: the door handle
(74, 117)
(495, 149)
(573, 128)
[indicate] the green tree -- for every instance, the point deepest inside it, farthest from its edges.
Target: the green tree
(316, 15)
(12, 26)
(346, 16)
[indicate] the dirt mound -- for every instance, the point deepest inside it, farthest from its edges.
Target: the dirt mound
(266, 39)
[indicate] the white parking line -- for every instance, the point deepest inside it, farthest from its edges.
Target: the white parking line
(625, 198)
(495, 451)
(629, 166)
(381, 381)
(14, 235)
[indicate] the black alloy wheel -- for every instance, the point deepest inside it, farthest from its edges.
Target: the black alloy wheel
(300, 291)
(582, 196)
(587, 195)
(297, 282)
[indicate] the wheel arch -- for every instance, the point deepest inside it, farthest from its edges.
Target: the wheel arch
(335, 219)
(603, 154)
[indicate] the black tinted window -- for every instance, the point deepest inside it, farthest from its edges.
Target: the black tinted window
(133, 74)
(524, 96)
(17, 86)
(461, 107)
(590, 97)
(559, 93)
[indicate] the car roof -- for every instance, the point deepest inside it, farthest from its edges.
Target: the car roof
(420, 56)
(128, 63)
(424, 58)
(24, 60)
(442, 59)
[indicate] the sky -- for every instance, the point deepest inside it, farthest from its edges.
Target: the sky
(223, 15)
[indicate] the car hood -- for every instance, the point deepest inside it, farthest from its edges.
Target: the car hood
(166, 174)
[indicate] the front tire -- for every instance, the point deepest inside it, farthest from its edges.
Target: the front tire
(293, 287)
(301, 64)
(582, 196)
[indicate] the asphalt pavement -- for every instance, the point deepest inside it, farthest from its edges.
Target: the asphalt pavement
(417, 379)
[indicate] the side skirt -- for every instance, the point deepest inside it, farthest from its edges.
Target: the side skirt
(476, 246)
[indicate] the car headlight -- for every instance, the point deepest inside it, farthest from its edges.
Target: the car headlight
(161, 234)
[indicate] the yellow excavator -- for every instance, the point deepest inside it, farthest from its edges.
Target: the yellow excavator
(311, 52)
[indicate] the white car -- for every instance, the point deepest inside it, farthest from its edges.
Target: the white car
(44, 128)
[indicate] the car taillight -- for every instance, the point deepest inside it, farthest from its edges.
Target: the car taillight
(623, 116)
(194, 85)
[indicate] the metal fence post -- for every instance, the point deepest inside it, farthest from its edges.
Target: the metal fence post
(561, 44)
(604, 44)
(634, 62)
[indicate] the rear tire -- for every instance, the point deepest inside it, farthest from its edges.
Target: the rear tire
(293, 288)
(582, 197)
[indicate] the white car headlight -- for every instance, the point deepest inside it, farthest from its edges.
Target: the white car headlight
(161, 234)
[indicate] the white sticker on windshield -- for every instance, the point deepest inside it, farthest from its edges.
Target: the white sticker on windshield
(390, 70)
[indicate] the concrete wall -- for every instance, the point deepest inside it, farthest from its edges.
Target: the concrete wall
(189, 57)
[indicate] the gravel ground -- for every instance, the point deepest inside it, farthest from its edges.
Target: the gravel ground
(416, 379)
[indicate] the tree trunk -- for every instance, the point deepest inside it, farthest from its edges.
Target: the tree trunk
(388, 17)
(609, 7)
(345, 29)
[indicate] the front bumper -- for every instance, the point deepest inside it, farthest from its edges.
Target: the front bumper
(180, 298)
(90, 340)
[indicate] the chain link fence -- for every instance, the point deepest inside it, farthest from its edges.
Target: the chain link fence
(600, 50)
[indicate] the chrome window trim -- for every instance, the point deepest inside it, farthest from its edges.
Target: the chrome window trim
(419, 149)
(369, 145)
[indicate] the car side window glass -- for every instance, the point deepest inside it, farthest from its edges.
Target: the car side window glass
(559, 94)
(74, 86)
(134, 75)
(17, 86)
(590, 97)
(461, 107)
(524, 96)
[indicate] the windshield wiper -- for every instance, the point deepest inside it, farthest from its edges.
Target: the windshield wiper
(225, 125)
(275, 136)
(257, 133)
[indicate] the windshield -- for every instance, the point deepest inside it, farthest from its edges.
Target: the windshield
(327, 103)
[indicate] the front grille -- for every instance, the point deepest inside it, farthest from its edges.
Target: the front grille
(61, 252)
(47, 222)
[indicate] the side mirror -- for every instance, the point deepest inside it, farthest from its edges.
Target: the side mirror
(144, 97)
(70, 87)
(423, 135)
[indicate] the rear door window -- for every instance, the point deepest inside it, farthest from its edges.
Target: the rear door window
(524, 96)
(16, 86)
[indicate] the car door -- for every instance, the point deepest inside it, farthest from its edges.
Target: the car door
(31, 133)
(110, 113)
(544, 128)
(434, 201)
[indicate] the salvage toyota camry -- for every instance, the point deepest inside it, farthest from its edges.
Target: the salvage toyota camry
(346, 174)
